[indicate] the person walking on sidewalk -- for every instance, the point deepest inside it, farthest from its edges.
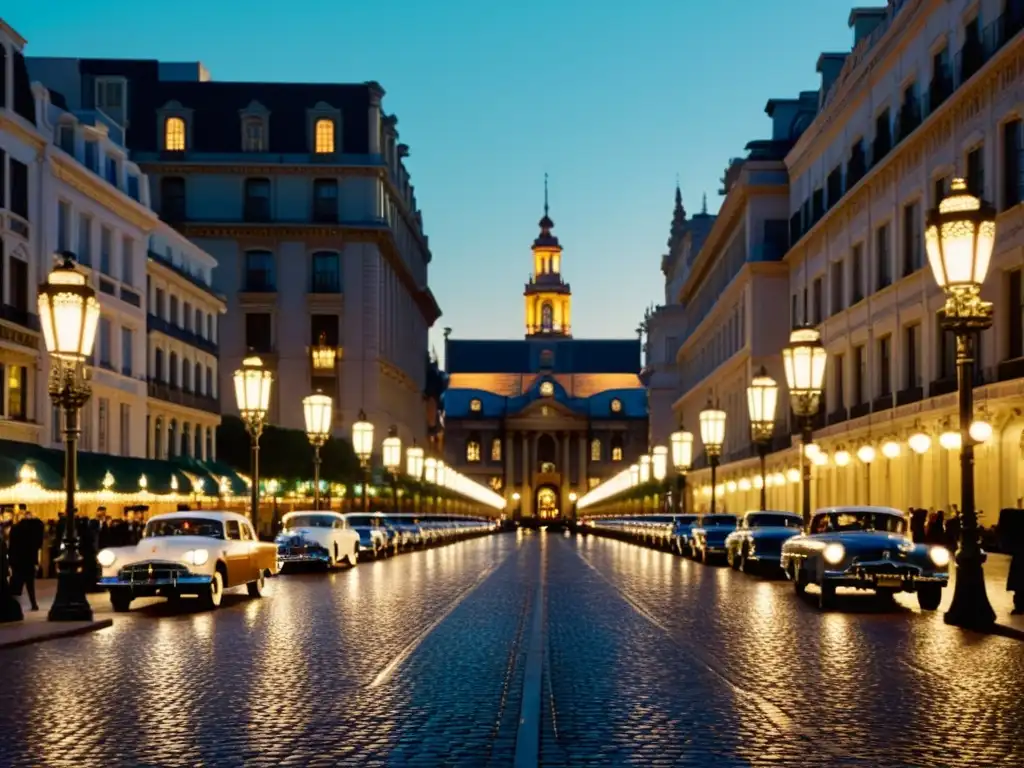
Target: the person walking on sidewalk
(1011, 535)
(26, 541)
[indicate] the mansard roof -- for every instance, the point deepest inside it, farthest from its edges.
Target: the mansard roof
(567, 356)
(458, 402)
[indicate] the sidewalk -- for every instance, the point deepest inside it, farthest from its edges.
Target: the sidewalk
(36, 629)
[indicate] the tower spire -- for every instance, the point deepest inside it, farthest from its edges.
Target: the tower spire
(678, 218)
(704, 205)
(545, 193)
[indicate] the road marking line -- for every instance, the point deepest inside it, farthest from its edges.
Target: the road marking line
(389, 671)
(775, 714)
(527, 754)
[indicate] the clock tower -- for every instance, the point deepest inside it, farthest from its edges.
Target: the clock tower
(548, 298)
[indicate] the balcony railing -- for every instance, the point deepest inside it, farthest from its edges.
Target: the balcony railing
(259, 281)
(158, 324)
(128, 296)
(257, 209)
(907, 119)
(909, 395)
(969, 60)
(325, 282)
(19, 316)
(196, 281)
(1010, 369)
(325, 211)
(942, 387)
(838, 416)
(161, 390)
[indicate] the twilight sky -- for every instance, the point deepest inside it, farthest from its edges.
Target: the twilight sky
(613, 100)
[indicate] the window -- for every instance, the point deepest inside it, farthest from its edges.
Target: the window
(172, 369)
(14, 404)
(63, 226)
(186, 439)
(883, 137)
(18, 293)
(885, 366)
(1015, 315)
(258, 331)
(161, 304)
(198, 447)
(475, 405)
(259, 272)
(103, 424)
(839, 381)
(325, 200)
(595, 450)
(257, 200)
(85, 240)
(186, 375)
(617, 448)
(172, 199)
(883, 258)
(3, 77)
(816, 306)
(946, 351)
(186, 316)
(103, 343)
(326, 274)
(254, 136)
(547, 317)
(208, 454)
(938, 190)
(125, 430)
(794, 311)
(92, 156)
(496, 449)
(19, 189)
(616, 405)
(838, 285)
(857, 274)
(197, 323)
(209, 383)
(174, 318)
(127, 342)
(197, 381)
(547, 389)
(323, 329)
(66, 138)
(106, 243)
(110, 96)
(834, 185)
(913, 244)
(473, 450)
(323, 133)
(158, 365)
(976, 171)
(859, 372)
(912, 355)
(1012, 166)
(128, 261)
(158, 442)
(172, 439)
(547, 358)
(174, 134)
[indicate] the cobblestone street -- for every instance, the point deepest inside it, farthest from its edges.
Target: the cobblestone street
(649, 659)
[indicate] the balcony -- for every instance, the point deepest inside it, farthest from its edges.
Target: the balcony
(128, 296)
(159, 325)
(1010, 369)
(257, 209)
(161, 390)
(861, 409)
(970, 59)
(198, 282)
(882, 403)
(942, 387)
(19, 316)
(909, 395)
(1005, 28)
(940, 89)
(259, 281)
(838, 416)
(325, 282)
(325, 211)
(907, 120)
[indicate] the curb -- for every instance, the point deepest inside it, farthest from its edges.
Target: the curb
(56, 634)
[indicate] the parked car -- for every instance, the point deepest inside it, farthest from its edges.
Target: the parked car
(758, 539)
(866, 548)
(709, 536)
(316, 537)
(682, 534)
(410, 534)
(373, 539)
(199, 552)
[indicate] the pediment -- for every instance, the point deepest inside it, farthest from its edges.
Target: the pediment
(547, 407)
(255, 109)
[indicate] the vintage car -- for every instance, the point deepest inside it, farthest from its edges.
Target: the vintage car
(682, 534)
(866, 548)
(198, 552)
(373, 538)
(316, 537)
(708, 536)
(757, 541)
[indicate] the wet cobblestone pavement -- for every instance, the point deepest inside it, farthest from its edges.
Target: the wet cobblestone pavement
(649, 659)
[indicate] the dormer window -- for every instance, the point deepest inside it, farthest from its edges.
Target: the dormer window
(323, 136)
(174, 134)
(547, 389)
(475, 405)
(616, 405)
(253, 135)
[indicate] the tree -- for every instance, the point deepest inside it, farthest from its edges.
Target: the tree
(285, 454)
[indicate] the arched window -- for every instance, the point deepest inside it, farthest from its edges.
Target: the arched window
(595, 450)
(158, 435)
(547, 359)
(174, 134)
(546, 453)
(547, 316)
(209, 382)
(186, 439)
(473, 449)
(197, 450)
(197, 383)
(617, 448)
(172, 439)
(173, 378)
(209, 445)
(496, 449)
(158, 365)
(323, 135)
(186, 375)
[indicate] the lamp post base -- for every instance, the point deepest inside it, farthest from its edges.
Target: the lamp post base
(70, 603)
(970, 608)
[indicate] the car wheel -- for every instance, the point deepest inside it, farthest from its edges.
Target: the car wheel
(256, 588)
(826, 595)
(120, 600)
(352, 558)
(215, 592)
(929, 596)
(799, 579)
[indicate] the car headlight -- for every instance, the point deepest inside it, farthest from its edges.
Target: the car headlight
(197, 556)
(106, 558)
(940, 556)
(834, 554)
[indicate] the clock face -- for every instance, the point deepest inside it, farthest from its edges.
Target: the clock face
(547, 389)
(616, 405)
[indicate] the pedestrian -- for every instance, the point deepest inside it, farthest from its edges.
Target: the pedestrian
(1011, 534)
(918, 517)
(936, 532)
(953, 532)
(26, 541)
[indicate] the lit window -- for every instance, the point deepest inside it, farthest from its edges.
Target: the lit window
(475, 405)
(497, 484)
(616, 405)
(593, 482)
(616, 453)
(496, 449)
(473, 451)
(174, 134)
(324, 136)
(547, 467)
(547, 389)
(595, 450)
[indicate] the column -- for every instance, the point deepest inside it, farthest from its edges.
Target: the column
(376, 94)
(525, 501)
(565, 437)
(510, 465)
(581, 477)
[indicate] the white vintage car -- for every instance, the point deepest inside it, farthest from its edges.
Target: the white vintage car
(317, 537)
(198, 552)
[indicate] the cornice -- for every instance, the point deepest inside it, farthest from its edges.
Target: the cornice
(169, 275)
(17, 127)
(257, 168)
(391, 371)
(90, 185)
(709, 250)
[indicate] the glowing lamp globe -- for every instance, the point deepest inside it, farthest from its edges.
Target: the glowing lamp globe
(731, 486)
(430, 470)
(391, 451)
(980, 431)
(866, 454)
(414, 462)
(682, 450)
(252, 389)
(762, 400)
(744, 484)
(68, 312)
(950, 440)
(890, 449)
(842, 458)
(659, 462)
(919, 442)
(645, 469)
(317, 410)
(959, 237)
(362, 437)
(804, 362)
(634, 475)
(712, 429)
(793, 475)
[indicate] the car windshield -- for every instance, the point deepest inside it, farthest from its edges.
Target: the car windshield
(718, 520)
(860, 520)
(309, 521)
(768, 520)
(363, 521)
(185, 526)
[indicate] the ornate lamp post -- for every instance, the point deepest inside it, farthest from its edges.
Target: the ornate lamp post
(712, 434)
(682, 460)
(959, 237)
(391, 453)
(362, 444)
(317, 409)
(414, 467)
(762, 400)
(69, 314)
(804, 361)
(252, 393)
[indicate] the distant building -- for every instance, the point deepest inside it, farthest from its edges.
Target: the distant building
(300, 193)
(548, 415)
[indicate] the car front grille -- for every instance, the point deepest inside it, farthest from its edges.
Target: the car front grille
(152, 572)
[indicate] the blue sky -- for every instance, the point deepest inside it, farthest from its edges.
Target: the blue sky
(612, 100)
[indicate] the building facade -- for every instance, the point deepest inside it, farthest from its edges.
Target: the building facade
(301, 194)
(542, 418)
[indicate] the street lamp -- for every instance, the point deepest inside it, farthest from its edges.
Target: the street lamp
(69, 314)
(682, 460)
(804, 361)
(391, 454)
(959, 237)
(645, 469)
(362, 444)
(252, 394)
(634, 475)
(712, 434)
(762, 400)
(414, 467)
(317, 409)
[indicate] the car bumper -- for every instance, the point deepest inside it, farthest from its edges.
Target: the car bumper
(318, 556)
(865, 578)
(191, 584)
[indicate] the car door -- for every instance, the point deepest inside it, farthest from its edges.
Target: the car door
(252, 547)
(236, 554)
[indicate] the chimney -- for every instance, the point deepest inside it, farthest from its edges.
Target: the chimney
(829, 67)
(864, 21)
